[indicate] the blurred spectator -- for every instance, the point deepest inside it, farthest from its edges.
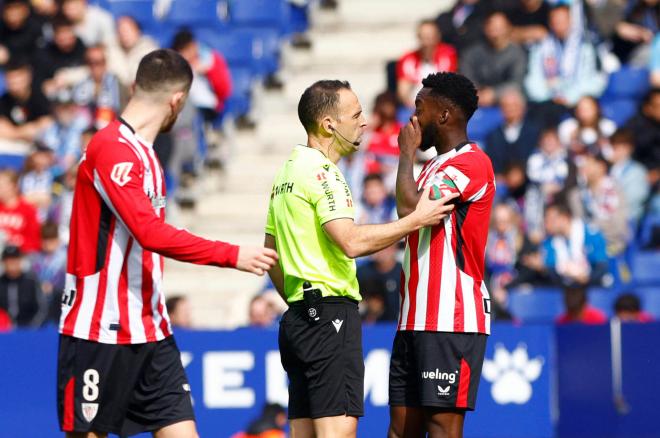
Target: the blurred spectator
(496, 63)
(574, 252)
(98, 93)
(632, 42)
(36, 183)
(645, 126)
(354, 167)
(547, 172)
(461, 26)
(20, 31)
(65, 135)
(178, 308)
(212, 80)
(270, 424)
(49, 266)
(630, 176)
(20, 295)
(5, 322)
(530, 21)
(578, 310)
(380, 285)
(93, 24)
(431, 56)
(24, 110)
(516, 138)
(62, 62)
(62, 201)
(604, 15)
(604, 205)
(628, 308)
(18, 218)
(124, 58)
(262, 312)
(563, 67)
(654, 63)
(383, 147)
(588, 129)
(377, 205)
(514, 185)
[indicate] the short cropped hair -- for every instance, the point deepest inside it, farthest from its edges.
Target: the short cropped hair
(455, 88)
(163, 67)
(623, 135)
(318, 100)
(182, 39)
(561, 208)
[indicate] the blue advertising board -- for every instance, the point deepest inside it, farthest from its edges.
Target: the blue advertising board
(233, 373)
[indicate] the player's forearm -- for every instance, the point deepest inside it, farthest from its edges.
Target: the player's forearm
(407, 195)
(275, 273)
(368, 239)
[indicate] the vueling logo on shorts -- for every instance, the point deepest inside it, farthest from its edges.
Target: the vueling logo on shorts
(439, 375)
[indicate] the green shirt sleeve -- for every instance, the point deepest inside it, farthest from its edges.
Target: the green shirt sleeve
(330, 195)
(270, 222)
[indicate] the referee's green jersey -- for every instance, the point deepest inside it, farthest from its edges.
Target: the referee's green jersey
(309, 190)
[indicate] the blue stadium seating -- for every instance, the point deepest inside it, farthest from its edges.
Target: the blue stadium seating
(483, 122)
(2, 83)
(192, 13)
(239, 101)
(141, 10)
(650, 298)
(271, 13)
(627, 82)
(646, 267)
(603, 299)
(265, 49)
(12, 161)
(537, 305)
(237, 48)
(619, 110)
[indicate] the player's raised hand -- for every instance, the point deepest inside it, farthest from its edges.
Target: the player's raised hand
(410, 137)
(431, 210)
(255, 259)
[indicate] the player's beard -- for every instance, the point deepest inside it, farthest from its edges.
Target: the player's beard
(169, 122)
(430, 137)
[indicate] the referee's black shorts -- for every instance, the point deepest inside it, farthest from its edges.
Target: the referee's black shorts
(436, 369)
(323, 360)
(121, 389)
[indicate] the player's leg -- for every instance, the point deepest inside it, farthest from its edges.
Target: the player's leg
(406, 422)
(406, 415)
(182, 429)
(340, 426)
(444, 423)
(301, 428)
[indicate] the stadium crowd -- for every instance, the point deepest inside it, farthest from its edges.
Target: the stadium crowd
(569, 114)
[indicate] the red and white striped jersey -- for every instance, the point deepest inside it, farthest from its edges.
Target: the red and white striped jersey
(114, 291)
(443, 286)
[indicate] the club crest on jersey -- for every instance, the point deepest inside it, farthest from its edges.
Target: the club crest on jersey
(121, 173)
(89, 411)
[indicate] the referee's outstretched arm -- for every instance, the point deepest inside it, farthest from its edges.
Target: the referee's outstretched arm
(360, 240)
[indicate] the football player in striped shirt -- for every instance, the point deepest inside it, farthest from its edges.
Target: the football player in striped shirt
(119, 368)
(444, 319)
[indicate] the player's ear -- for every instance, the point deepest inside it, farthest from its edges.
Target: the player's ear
(327, 126)
(178, 99)
(444, 116)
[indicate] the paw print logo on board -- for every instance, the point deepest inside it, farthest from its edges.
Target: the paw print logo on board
(511, 374)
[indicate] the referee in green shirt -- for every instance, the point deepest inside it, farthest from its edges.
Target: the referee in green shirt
(310, 224)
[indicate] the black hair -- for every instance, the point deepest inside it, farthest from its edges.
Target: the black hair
(627, 302)
(172, 302)
(163, 67)
(561, 207)
(455, 88)
(623, 135)
(61, 21)
(50, 230)
(17, 63)
(648, 96)
(182, 39)
(321, 98)
(372, 177)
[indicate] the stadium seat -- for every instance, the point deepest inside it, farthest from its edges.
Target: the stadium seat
(2, 83)
(603, 299)
(537, 305)
(627, 82)
(236, 47)
(646, 268)
(191, 13)
(141, 10)
(12, 161)
(619, 110)
(265, 49)
(483, 122)
(271, 13)
(239, 101)
(650, 298)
